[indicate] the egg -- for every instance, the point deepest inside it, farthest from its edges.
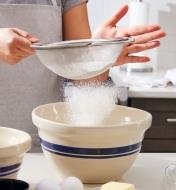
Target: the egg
(71, 183)
(47, 184)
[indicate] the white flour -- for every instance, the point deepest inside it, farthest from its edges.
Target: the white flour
(82, 70)
(90, 105)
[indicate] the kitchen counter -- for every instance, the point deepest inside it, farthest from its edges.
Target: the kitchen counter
(146, 173)
(136, 91)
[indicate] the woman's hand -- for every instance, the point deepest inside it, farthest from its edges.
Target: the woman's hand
(15, 45)
(146, 37)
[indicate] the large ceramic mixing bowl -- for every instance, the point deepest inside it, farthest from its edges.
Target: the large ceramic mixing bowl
(81, 59)
(95, 154)
(13, 145)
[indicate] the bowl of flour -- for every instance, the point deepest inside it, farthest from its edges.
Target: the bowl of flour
(89, 136)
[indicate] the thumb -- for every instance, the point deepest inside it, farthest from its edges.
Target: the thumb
(25, 35)
(117, 16)
(21, 32)
(33, 39)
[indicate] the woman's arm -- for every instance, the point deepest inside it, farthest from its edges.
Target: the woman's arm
(76, 26)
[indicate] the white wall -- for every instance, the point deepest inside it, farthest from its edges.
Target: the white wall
(161, 11)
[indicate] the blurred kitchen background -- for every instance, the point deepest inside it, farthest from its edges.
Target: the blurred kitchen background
(148, 91)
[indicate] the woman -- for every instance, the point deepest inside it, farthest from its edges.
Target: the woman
(29, 84)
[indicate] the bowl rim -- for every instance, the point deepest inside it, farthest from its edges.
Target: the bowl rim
(18, 147)
(55, 125)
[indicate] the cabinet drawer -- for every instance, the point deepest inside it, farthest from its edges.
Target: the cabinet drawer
(166, 145)
(163, 125)
(152, 104)
(160, 133)
(165, 118)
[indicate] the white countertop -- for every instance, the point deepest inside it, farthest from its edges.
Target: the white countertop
(145, 92)
(146, 173)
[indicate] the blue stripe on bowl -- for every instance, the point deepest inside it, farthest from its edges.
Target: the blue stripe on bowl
(99, 153)
(90, 157)
(7, 170)
(9, 173)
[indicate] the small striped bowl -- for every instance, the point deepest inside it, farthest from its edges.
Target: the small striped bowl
(10, 170)
(13, 144)
(95, 154)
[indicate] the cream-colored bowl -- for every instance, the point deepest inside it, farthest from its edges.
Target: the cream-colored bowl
(95, 154)
(13, 145)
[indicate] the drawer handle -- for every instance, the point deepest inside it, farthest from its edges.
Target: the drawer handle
(171, 120)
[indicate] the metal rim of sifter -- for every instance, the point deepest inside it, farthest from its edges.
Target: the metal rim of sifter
(82, 43)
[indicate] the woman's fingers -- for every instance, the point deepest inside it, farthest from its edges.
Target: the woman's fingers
(111, 22)
(144, 38)
(19, 49)
(136, 30)
(26, 49)
(33, 39)
(142, 34)
(25, 45)
(23, 53)
(126, 56)
(15, 45)
(136, 59)
(132, 59)
(136, 48)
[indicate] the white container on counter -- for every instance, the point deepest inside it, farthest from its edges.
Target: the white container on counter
(138, 15)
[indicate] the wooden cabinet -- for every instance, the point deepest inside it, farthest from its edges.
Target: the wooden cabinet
(161, 137)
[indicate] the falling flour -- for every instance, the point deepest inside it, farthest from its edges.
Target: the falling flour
(89, 105)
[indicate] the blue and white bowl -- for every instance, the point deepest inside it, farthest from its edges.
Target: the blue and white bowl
(13, 145)
(95, 154)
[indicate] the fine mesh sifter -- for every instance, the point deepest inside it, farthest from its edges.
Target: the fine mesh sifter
(81, 59)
